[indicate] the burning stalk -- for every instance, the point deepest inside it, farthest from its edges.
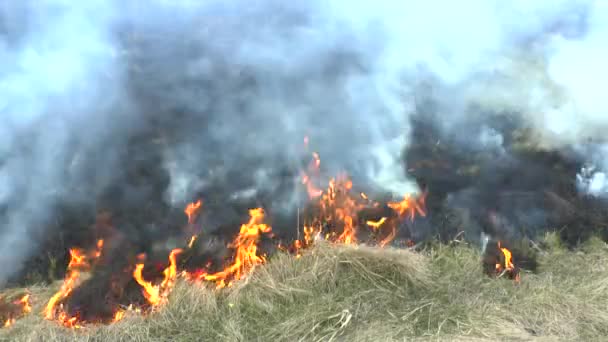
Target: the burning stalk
(246, 256)
(157, 294)
(192, 210)
(507, 266)
(79, 262)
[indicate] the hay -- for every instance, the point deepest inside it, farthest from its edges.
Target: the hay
(359, 293)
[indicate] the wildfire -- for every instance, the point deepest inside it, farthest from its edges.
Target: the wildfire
(79, 262)
(339, 208)
(246, 251)
(507, 267)
(15, 309)
(332, 213)
(409, 206)
(156, 294)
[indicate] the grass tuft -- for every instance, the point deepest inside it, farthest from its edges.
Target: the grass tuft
(359, 293)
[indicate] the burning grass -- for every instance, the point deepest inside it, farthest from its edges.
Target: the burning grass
(359, 293)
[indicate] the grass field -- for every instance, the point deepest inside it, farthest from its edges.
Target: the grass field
(358, 293)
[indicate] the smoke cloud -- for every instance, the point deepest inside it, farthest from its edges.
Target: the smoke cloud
(159, 102)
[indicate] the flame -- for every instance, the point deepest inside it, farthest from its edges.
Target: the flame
(18, 308)
(99, 249)
(246, 251)
(156, 294)
(120, 314)
(409, 206)
(313, 171)
(24, 302)
(376, 224)
(508, 266)
(192, 210)
(79, 262)
(192, 240)
(151, 292)
(339, 210)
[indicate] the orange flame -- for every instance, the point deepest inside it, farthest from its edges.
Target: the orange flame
(192, 240)
(79, 262)
(19, 308)
(156, 294)
(508, 265)
(120, 314)
(313, 170)
(339, 211)
(409, 206)
(246, 256)
(192, 210)
(376, 224)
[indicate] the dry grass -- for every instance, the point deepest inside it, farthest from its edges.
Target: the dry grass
(348, 293)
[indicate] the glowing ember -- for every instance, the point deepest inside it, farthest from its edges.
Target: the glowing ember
(246, 251)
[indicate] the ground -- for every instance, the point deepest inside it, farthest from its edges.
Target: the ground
(358, 293)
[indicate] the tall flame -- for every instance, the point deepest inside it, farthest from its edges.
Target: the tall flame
(508, 266)
(79, 262)
(246, 251)
(156, 294)
(192, 210)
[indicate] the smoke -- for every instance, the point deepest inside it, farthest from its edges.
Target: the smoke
(216, 97)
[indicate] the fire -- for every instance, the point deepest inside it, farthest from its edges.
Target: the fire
(339, 209)
(192, 240)
(409, 206)
(156, 294)
(333, 213)
(376, 224)
(79, 262)
(25, 303)
(120, 314)
(246, 251)
(192, 210)
(99, 249)
(313, 172)
(17, 308)
(508, 266)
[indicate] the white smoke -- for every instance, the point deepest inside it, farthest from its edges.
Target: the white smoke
(59, 85)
